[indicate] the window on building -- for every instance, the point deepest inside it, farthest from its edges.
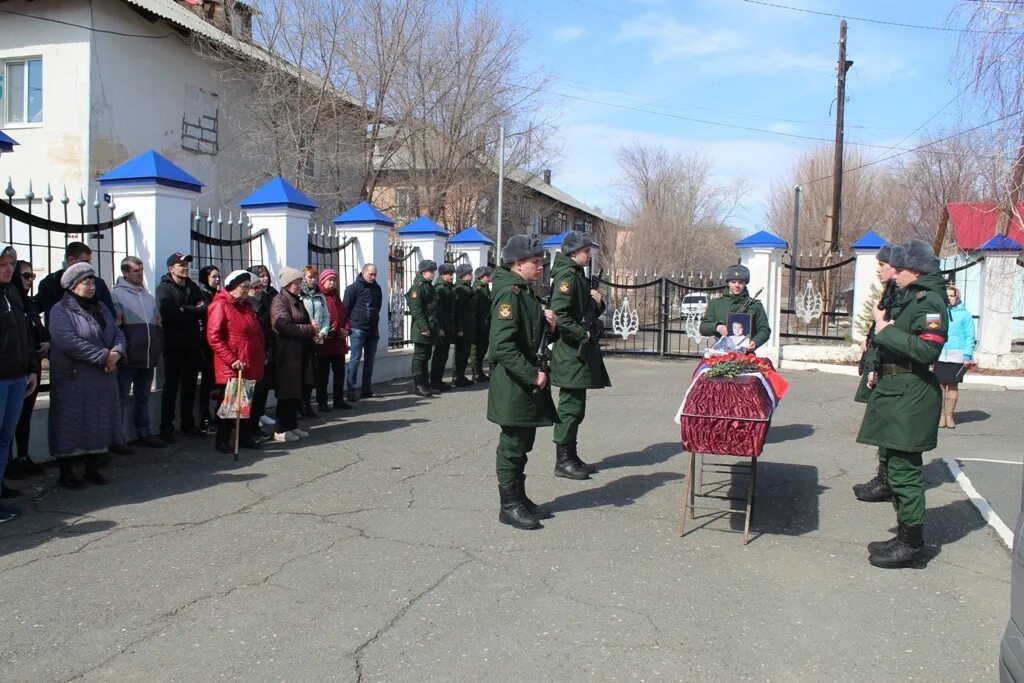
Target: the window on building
(561, 221)
(523, 207)
(21, 91)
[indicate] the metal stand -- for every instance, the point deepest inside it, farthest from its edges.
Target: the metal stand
(694, 490)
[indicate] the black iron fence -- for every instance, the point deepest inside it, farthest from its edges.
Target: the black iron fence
(328, 247)
(820, 297)
(228, 245)
(40, 231)
(403, 261)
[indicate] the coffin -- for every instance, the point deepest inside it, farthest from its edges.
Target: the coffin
(726, 416)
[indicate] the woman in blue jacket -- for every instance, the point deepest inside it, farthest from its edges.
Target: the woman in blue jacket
(957, 355)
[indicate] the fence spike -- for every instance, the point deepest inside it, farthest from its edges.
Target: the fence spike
(209, 216)
(48, 197)
(96, 199)
(10, 189)
(111, 205)
(64, 199)
(81, 199)
(30, 195)
(220, 218)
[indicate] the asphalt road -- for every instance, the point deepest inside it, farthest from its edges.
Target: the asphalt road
(372, 553)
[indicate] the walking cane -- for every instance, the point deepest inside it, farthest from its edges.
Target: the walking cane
(238, 412)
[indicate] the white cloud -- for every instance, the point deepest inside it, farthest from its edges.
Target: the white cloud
(670, 39)
(589, 170)
(567, 34)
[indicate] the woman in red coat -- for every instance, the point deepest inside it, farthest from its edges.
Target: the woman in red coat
(332, 352)
(236, 339)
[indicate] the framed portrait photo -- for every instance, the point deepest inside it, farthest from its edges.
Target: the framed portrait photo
(738, 325)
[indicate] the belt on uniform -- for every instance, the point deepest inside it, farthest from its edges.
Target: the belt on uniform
(898, 368)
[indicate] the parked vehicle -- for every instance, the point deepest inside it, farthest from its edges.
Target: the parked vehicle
(693, 303)
(1011, 652)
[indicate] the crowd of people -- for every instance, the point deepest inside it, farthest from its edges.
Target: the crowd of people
(102, 347)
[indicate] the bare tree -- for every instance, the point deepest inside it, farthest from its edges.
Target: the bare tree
(679, 219)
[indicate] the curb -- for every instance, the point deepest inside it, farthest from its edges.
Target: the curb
(1008, 383)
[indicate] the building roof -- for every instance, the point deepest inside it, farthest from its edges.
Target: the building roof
(537, 184)
(870, 240)
(278, 192)
(7, 143)
(974, 223)
(1001, 243)
(762, 239)
(363, 212)
(151, 167)
(183, 18)
(422, 226)
(471, 236)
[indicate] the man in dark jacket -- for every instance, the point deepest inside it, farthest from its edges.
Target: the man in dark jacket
(182, 310)
(737, 300)
(139, 318)
(465, 323)
(363, 300)
(420, 300)
(445, 307)
(482, 302)
(49, 291)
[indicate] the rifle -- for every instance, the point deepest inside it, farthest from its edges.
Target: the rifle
(749, 301)
(542, 357)
(884, 304)
(592, 317)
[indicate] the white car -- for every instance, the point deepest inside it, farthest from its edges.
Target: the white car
(693, 303)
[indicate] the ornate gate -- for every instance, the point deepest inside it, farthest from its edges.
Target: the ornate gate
(403, 260)
(329, 248)
(821, 290)
(230, 245)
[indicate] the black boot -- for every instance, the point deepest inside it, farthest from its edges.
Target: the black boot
(906, 551)
(308, 411)
(441, 386)
(423, 390)
(481, 378)
(462, 381)
(93, 463)
(877, 489)
(567, 466)
(513, 509)
(67, 478)
(538, 511)
(590, 468)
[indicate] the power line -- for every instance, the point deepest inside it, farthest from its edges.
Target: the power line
(869, 20)
(915, 149)
(87, 28)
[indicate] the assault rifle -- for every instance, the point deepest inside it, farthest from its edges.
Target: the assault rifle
(885, 303)
(750, 300)
(592, 317)
(542, 357)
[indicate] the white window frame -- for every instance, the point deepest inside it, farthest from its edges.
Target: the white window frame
(4, 65)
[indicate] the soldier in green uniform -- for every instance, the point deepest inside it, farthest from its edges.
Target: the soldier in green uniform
(576, 363)
(903, 410)
(738, 299)
(519, 397)
(465, 323)
(445, 298)
(482, 303)
(420, 299)
(876, 490)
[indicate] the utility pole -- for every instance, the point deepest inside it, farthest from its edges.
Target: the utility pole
(501, 190)
(844, 65)
(795, 247)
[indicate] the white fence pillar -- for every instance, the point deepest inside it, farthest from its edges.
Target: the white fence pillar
(476, 245)
(762, 254)
(427, 236)
(284, 213)
(372, 232)
(865, 278)
(160, 195)
(999, 272)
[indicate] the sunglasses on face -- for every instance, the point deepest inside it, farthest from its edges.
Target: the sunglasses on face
(28, 276)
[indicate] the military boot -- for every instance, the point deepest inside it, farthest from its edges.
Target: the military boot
(567, 466)
(462, 381)
(590, 468)
(538, 511)
(513, 508)
(423, 390)
(876, 490)
(480, 378)
(906, 551)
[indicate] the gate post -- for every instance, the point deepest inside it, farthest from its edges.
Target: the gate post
(160, 194)
(372, 231)
(865, 279)
(762, 254)
(475, 244)
(428, 236)
(998, 273)
(283, 212)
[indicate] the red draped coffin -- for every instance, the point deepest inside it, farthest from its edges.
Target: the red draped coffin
(726, 416)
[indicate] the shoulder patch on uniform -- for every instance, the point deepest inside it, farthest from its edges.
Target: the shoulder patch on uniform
(414, 294)
(933, 321)
(563, 286)
(505, 311)
(921, 296)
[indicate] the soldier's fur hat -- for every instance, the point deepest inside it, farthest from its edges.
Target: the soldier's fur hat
(519, 248)
(575, 241)
(426, 265)
(914, 255)
(483, 271)
(446, 269)
(884, 253)
(738, 272)
(463, 270)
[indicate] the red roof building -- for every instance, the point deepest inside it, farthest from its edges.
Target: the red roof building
(974, 223)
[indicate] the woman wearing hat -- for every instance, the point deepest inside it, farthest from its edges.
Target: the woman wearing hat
(293, 354)
(85, 348)
(236, 340)
(737, 299)
(331, 354)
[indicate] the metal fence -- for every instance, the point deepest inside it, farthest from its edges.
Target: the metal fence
(228, 245)
(329, 247)
(403, 260)
(820, 299)
(40, 231)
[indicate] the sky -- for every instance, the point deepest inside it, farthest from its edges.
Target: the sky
(641, 70)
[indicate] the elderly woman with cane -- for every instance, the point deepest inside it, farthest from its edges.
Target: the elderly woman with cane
(236, 339)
